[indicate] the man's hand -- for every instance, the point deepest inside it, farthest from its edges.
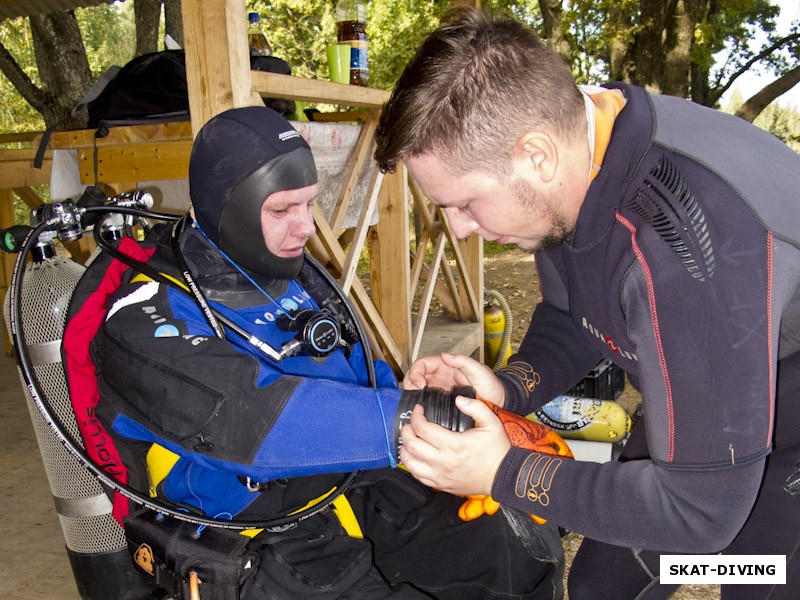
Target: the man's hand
(522, 433)
(466, 464)
(462, 464)
(449, 370)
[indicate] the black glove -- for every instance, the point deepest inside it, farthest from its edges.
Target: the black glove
(439, 406)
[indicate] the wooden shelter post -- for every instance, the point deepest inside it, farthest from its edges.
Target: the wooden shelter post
(217, 59)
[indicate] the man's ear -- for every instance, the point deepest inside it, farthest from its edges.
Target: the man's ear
(537, 150)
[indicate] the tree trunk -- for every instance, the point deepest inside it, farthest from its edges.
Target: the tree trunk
(147, 14)
(552, 16)
(700, 88)
(648, 48)
(173, 20)
(63, 68)
(758, 102)
(619, 59)
(680, 26)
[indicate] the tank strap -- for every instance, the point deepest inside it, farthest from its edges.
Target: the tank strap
(347, 518)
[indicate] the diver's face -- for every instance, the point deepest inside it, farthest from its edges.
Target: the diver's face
(286, 220)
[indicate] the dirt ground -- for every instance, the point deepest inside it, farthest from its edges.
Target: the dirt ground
(513, 274)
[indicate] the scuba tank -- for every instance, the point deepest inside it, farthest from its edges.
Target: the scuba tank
(497, 326)
(95, 543)
(584, 419)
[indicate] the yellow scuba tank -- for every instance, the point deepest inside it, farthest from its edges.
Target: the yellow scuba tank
(584, 419)
(497, 325)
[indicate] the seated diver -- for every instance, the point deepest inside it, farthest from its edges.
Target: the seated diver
(250, 437)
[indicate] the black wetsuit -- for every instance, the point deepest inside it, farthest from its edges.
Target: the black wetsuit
(684, 269)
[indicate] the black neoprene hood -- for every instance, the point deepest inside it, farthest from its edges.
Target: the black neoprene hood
(238, 159)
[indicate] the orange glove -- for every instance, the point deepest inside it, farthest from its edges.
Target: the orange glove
(522, 433)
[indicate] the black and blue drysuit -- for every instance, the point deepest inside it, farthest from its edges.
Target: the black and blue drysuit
(255, 438)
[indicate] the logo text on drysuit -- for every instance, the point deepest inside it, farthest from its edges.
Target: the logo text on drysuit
(607, 340)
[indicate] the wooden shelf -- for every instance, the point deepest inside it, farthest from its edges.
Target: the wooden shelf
(272, 85)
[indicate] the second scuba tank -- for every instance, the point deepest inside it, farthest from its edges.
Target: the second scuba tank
(497, 326)
(584, 419)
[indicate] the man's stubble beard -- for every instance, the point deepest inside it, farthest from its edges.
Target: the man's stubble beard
(559, 230)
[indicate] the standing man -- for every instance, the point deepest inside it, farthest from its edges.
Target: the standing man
(667, 239)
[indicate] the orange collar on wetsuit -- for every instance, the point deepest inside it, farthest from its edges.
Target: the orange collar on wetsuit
(240, 235)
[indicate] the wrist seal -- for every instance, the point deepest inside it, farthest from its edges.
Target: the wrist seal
(439, 406)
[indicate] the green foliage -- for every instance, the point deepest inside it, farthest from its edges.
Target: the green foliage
(109, 35)
(591, 36)
(299, 30)
(396, 30)
(493, 248)
(729, 36)
(524, 10)
(781, 121)
(15, 113)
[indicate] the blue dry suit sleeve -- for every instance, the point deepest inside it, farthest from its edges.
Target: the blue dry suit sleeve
(165, 378)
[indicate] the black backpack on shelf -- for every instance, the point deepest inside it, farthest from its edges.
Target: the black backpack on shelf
(151, 88)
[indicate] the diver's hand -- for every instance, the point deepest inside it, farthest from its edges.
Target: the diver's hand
(449, 370)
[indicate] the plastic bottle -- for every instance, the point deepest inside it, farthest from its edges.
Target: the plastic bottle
(584, 418)
(351, 22)
(259, 46)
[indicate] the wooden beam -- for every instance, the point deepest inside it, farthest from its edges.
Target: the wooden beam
(418, 258)
(367, 209)
(427, 294)
(217, 58)
(125, 135)
(24, 136)
(453, 301)
(394, 268)
(358, 156)
(273, 85)
(7, 261)
(136, 162)
(467, 275)
(16, 168)
(328, 246)
(344, 116)
(31, 199)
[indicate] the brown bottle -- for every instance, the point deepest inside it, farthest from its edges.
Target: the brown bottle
(351, 22)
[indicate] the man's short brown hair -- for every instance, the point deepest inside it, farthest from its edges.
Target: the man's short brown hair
(474, 86)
